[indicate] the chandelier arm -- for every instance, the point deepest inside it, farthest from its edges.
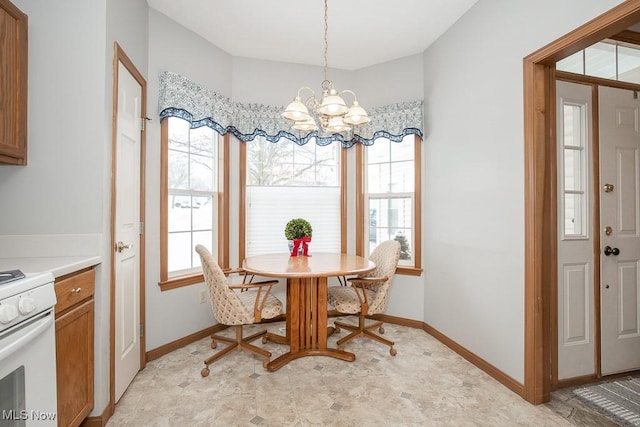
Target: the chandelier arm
(355, 98)
(311, 100)
(307, 88)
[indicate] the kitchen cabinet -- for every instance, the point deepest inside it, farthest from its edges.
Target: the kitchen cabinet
(13, 84)
(74, 345)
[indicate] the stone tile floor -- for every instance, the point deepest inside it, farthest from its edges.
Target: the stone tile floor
(426, 384)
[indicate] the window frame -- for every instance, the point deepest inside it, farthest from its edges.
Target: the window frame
(362, 209)
(242, 234)
(584, 184)
(166, 283)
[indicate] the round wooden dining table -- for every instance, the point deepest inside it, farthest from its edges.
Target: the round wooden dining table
(307, 277)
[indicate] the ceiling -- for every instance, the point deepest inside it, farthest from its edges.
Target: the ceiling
(361, 32)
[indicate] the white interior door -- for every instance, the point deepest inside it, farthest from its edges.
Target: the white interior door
(576, 337)
(620, 223)
(127, 230)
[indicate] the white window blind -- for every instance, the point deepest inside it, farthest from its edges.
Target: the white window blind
(270, 208)
(287, 181)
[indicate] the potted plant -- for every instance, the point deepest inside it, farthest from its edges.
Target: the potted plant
(299, 231)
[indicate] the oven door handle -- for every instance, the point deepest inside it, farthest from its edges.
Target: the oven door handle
(16, 341)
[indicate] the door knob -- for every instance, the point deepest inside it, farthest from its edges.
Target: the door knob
(608, 250)
(608, 188)
(121, 246)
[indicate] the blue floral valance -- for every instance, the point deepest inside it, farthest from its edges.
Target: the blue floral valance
(201, 106)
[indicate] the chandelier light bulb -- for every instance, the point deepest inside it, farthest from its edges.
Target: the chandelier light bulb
(356, 115)
(308, 125)
(296, 111)
(336, 125)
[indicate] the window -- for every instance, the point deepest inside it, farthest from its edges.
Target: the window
(191, 200)
(284, 180)
(389, 185)
(608, 60)
(574, 176)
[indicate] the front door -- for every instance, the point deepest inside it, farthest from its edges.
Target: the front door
(127, 245)
(620, 229)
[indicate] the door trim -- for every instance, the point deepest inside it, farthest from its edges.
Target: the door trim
(540, 263)
(120, 56)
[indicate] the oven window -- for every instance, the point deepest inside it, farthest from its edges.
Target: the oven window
(12, 400)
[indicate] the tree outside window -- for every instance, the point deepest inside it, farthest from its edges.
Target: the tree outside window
(391, 197)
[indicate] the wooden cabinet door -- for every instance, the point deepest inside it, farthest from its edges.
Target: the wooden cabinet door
(13, 84)
(74, 358)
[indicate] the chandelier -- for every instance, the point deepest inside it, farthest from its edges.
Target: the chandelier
(331, 111)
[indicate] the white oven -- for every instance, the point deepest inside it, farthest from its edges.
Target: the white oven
(27, 352)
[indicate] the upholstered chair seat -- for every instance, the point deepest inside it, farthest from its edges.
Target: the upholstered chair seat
(237, 305)
(367, 295)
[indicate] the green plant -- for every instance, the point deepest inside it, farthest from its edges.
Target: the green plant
(298, 228)
(405, 253)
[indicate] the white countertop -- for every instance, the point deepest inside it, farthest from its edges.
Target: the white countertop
(58, 254)
(58, 266)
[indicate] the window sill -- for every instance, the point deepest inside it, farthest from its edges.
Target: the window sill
(409, 271)
(188, 279)
(181, 281)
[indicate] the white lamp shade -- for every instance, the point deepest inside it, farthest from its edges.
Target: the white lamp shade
(336, 125)
(307, 125)
(332, 105)
(356, 115)
(296, 111)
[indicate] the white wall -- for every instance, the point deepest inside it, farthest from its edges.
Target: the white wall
(176, 313)
(474, 171)
(60, 190)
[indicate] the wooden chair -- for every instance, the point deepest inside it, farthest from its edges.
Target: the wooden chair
(367, 295)
(232, 308)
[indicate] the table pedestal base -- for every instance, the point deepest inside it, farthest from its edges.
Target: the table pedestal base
(307, 322)
(280, 361)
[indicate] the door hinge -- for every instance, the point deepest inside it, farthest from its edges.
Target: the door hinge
(143, 123)
(141, 330)
(142, 228)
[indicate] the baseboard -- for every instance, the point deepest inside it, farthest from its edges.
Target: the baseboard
(482, 364)
(174, 345)
(97, 421)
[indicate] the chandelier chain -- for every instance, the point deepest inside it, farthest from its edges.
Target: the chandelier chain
(326, 41)
(331, 110)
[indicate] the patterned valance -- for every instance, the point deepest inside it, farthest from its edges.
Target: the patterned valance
(201, 106)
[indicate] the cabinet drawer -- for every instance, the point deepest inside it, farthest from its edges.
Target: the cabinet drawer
(73, 289)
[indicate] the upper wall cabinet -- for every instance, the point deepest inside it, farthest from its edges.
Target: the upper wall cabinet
(13, 84)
